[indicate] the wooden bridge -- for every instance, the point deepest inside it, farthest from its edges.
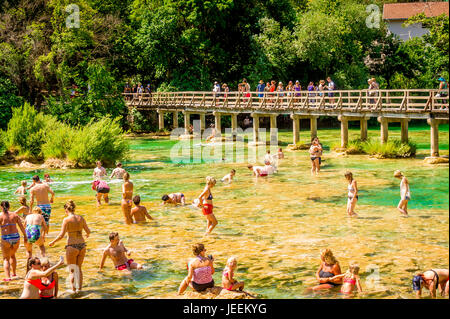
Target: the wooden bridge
(347, 105)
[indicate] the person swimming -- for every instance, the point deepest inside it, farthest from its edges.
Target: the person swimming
(21, 190)
(229, 177)
(258, 171)
(118, 172)
(116, 251)
(139, 213)
(228, 282)
(352, 196)
(47, 179)
(174, 198)
(405, 194)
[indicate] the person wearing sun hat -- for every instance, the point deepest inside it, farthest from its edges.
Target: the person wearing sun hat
(443, 85)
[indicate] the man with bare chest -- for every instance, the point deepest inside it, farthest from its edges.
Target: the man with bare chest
(40, 192)
(117, 252)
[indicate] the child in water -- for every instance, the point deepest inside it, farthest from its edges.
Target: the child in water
(351, 279)
(174, 198)
(24, 209)
(229, 177)
(21, 190)
(280, 153)
(228, 282)
(139, 213)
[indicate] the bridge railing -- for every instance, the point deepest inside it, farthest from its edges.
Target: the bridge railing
(401, 101)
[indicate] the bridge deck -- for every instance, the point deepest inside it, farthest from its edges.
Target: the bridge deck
(414, 103)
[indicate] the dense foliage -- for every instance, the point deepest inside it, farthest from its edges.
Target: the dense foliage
(78, 73)
(35, 136)
(393, 148)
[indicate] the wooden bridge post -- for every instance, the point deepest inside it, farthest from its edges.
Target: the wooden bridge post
(295, 128)
(363, 125)
(404, 130)
(217, 123)
(202, 122)
(187, 122)
(234, 125)
(273, 129)
(175, 119)
(384, 129)
(434, 135)
(313, 121)
(160, 119)
(344, 130)
(255, 127)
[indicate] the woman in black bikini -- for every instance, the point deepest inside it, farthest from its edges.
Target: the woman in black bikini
(329, 267)
(73, 225)
(433, 279)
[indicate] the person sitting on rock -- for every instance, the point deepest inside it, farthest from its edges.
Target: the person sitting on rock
(228, 282)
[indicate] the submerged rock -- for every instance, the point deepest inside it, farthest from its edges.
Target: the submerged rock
(58, 163)
(219, 293)
(25, 164)
(436, 160)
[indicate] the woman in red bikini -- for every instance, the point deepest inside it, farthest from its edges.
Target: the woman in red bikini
(33, 282)
(74, 225)
(207, 206)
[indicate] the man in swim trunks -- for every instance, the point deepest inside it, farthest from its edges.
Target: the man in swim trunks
(259, 171)
(118, 172)
(116, 251)
(174, 198)
(432, 280)
(40, 192)
(139, 213)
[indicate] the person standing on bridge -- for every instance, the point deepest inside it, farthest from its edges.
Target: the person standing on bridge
(216, 89)
(260, 88)
(331, 87)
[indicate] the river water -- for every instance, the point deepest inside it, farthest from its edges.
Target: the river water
(276, 226)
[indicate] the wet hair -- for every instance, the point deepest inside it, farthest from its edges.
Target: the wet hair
(5, 206)
(23, 183)
(417, 282)
(113, 235)
(70, 206)
(47, 175)
(36, 178)
(33, 261)
(119, 164)
(165, 197)
(327, 256)
(249, 166)
(36, 210)
(348, 173)
(233, 171)
(126, 176)
(45, 261)
(136, 199)
(210, 180)
(23, 200)
(314, 138)
(398, 173)
(354, 268)
(197, 249)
